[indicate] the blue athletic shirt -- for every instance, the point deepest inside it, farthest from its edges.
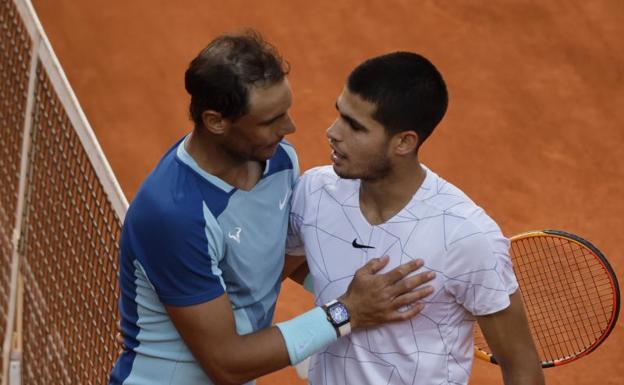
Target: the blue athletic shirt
(188, 237)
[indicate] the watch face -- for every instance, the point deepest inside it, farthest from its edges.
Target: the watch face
(338, 313)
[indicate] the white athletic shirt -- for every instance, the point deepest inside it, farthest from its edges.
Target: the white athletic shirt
(441, 225)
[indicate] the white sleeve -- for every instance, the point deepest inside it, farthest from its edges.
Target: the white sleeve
(294, 243)
(478, 270)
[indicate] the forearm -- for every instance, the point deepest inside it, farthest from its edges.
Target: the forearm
(508, 335)
(230, 358)
(247, 357)
(521, 364)
(527, 372)
(209, 331)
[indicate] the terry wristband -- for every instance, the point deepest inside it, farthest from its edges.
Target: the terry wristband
(307, 334)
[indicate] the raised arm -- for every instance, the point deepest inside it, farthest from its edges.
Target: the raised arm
(507, 334)
(209, 329)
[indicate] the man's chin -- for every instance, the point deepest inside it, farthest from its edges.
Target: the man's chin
(265, 155)
(344, 174)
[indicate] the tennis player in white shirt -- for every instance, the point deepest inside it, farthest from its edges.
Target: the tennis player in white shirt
(378, 199)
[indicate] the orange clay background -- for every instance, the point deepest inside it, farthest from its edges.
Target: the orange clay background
(534, 132)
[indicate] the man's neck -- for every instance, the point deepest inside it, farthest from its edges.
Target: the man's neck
(212, 158)
(382, 199)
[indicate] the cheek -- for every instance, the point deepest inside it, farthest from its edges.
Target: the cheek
(264, 143)
(254, 139)
(364, 147)
(369, 153)
(266, 136)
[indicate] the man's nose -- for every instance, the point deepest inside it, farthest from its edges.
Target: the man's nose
(332, 132)
(288, 127)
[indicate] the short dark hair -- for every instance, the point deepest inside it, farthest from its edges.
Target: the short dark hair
(220, 76)
(408, 90)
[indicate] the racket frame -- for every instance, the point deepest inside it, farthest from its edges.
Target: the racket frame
(489, 357)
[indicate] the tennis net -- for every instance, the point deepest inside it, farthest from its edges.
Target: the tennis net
(61, 211)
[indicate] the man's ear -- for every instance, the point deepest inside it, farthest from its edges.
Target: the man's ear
(214, 122)
(406, 142)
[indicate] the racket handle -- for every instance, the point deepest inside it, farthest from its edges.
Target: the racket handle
(480, 354)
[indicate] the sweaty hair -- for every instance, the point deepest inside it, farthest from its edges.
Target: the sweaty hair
(407, 89)
(219, 77)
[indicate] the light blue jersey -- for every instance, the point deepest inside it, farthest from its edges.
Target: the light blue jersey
(189, 237)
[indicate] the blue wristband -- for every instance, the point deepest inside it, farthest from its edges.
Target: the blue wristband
(307, 334)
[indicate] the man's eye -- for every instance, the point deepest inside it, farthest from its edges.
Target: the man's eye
(356, 127)
(274, 120)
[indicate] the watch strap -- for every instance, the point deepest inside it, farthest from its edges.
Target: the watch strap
(344, 329)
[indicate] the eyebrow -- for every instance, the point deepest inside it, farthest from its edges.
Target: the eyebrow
(273, 119)
(352, 122)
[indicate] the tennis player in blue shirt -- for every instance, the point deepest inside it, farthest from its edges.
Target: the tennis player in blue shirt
(203, 243)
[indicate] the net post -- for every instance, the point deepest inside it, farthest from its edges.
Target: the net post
(15, 359)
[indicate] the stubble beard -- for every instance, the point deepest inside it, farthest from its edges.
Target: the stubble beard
(377, 168)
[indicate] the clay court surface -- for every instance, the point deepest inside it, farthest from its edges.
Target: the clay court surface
(534, 132)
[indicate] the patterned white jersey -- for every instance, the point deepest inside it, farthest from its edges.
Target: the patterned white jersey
(440, 225)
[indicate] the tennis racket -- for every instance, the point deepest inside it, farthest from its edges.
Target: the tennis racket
(570, 293)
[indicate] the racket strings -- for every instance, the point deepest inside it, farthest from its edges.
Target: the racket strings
(559, 274)
(567, 293)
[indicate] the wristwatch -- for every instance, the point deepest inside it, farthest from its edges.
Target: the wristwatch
(338, 316)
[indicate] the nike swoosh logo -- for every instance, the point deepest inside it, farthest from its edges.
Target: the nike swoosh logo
(282, 202)
(358, 246)
(304, 344)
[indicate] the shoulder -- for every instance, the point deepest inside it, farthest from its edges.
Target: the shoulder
(463, 217)
(168, 202)
(320, 175)
(324, 179)
(319, 182)
(444, 196)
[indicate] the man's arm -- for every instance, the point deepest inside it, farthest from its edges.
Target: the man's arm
(507, 334)
(209, 329)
